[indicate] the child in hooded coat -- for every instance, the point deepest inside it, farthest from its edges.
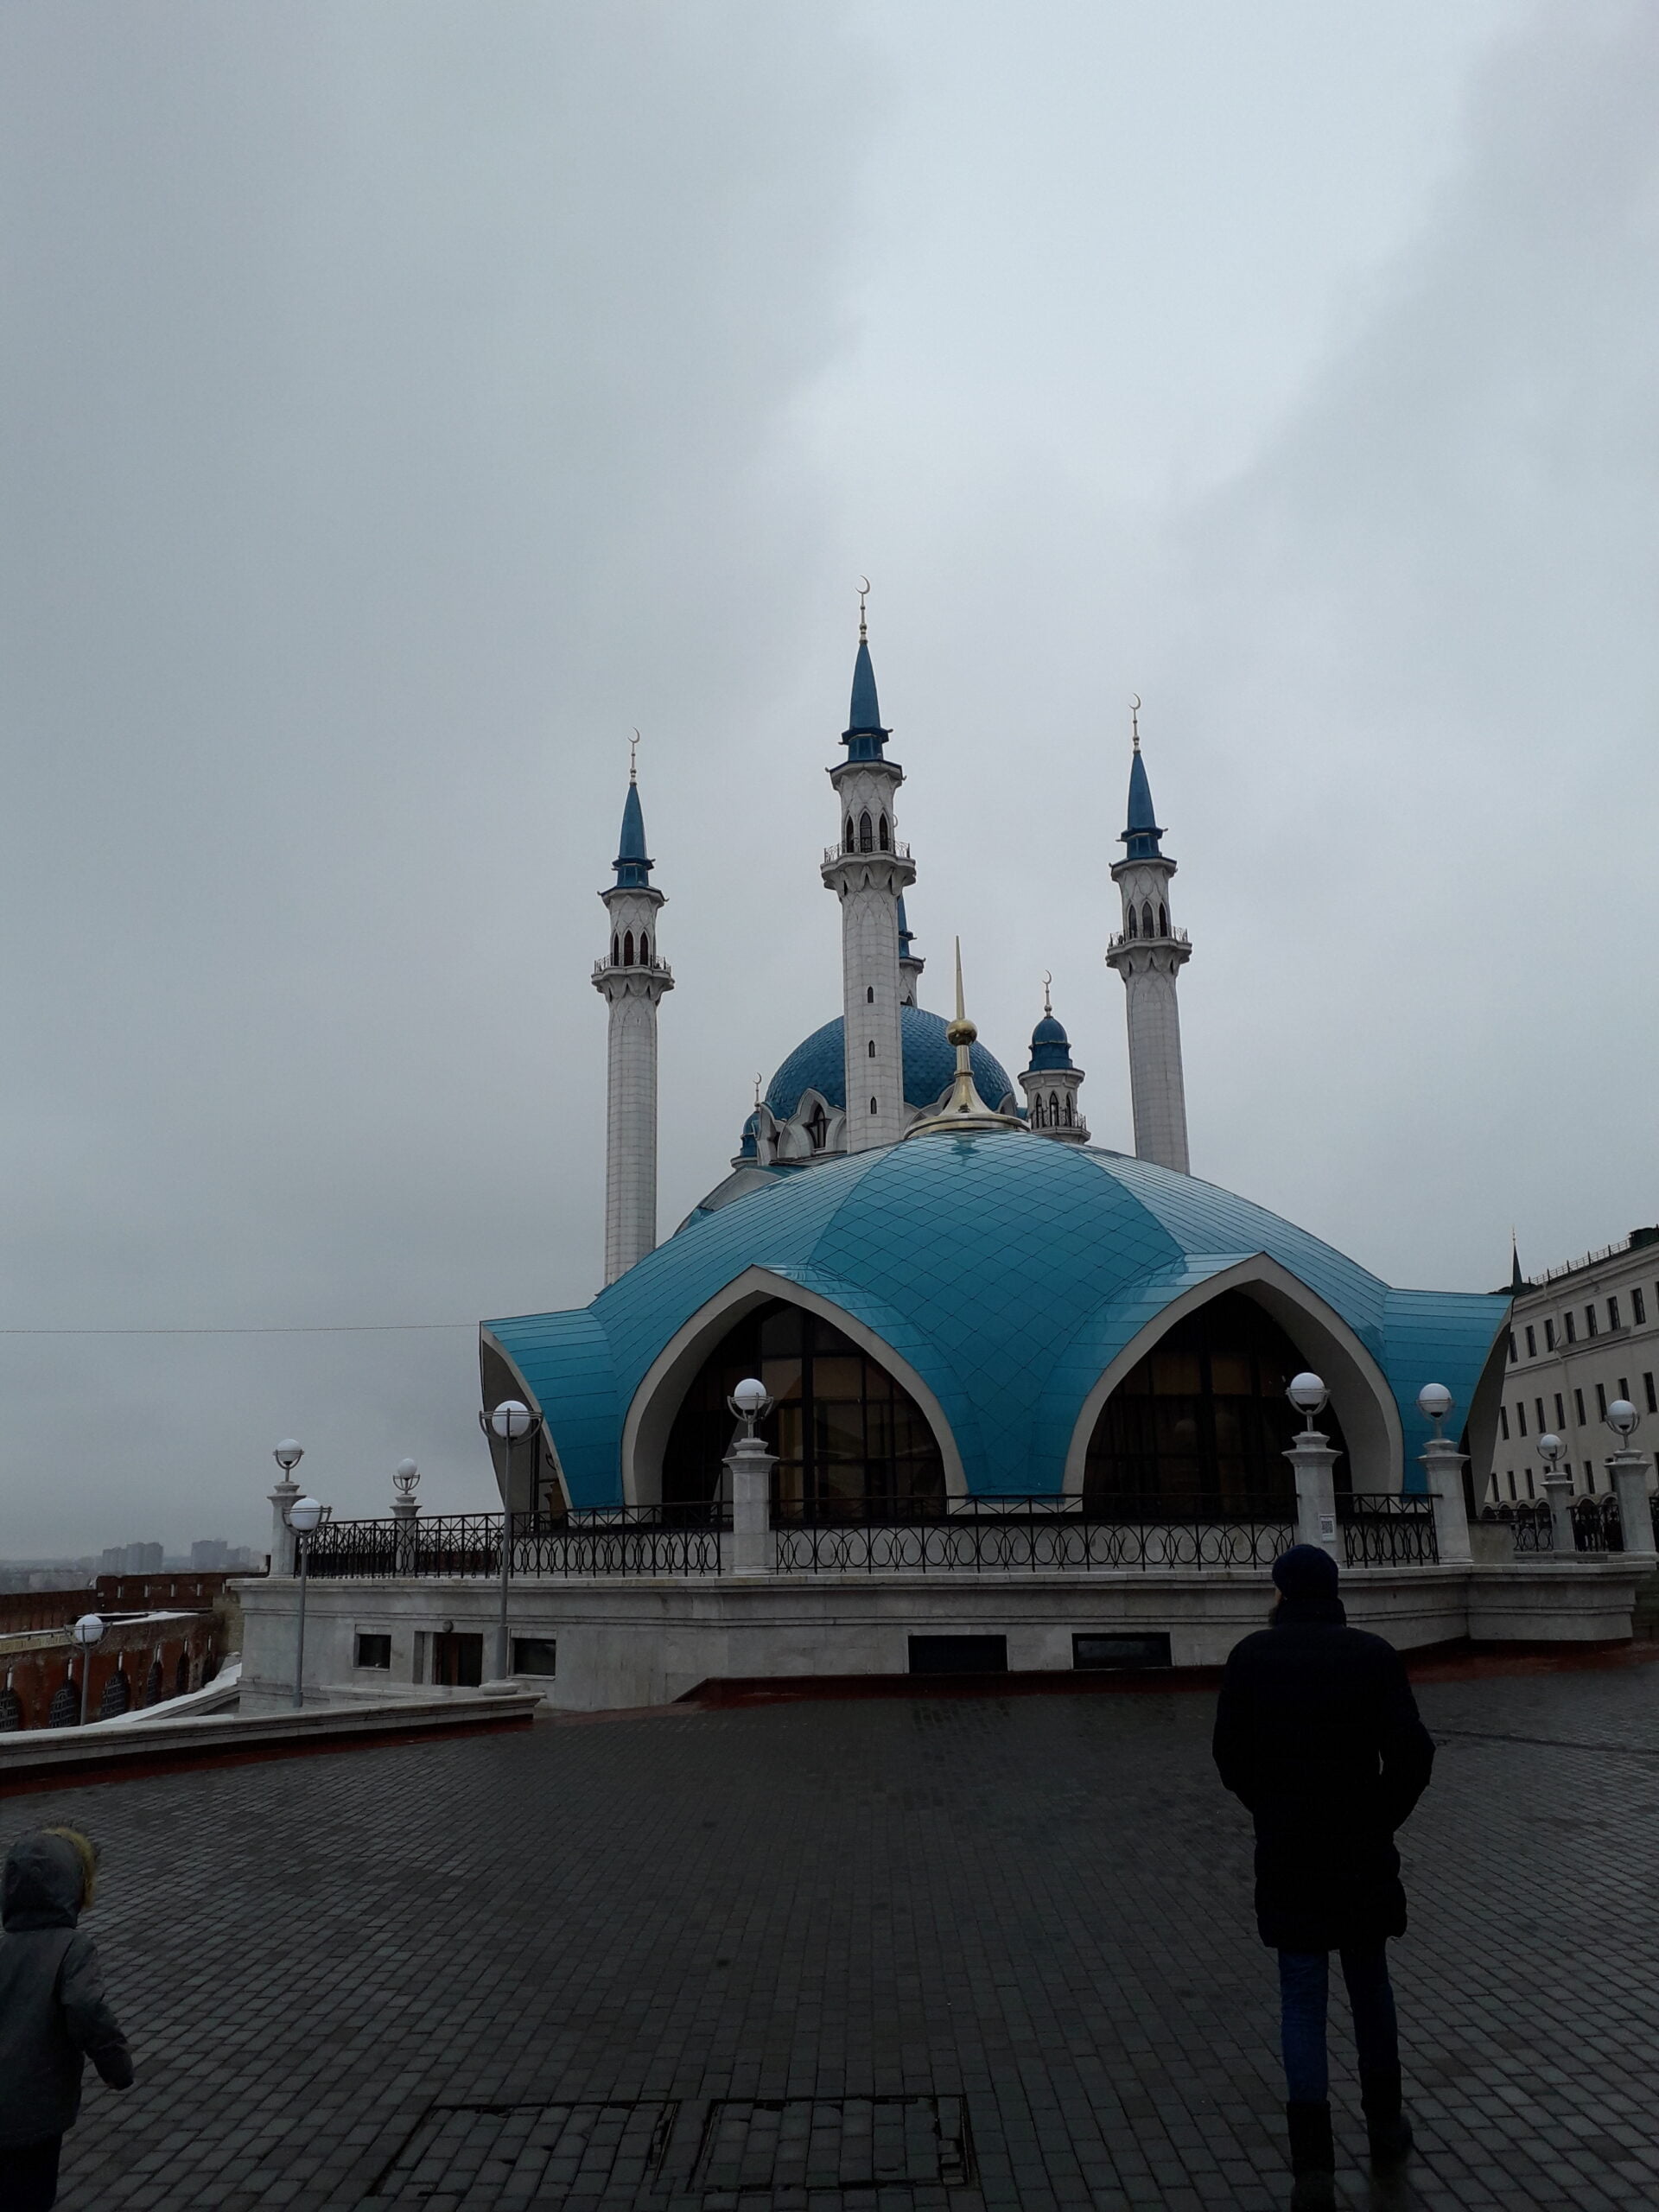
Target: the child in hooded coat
(54, 2015)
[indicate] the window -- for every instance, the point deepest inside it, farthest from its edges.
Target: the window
(1521, 1414)
(1120, 1650)
(1601, 1400)
(1145, 917)
(1624, 1387)
(1129, 929)
(1549, 1336)
(374, 1651)
(1504, 1422)
(1511, 1476)
(1070, 1113)
(1639, 1308)
(1532, 1342)
(866, 834)
(872, 1048)
(1544, 1419)
(616, 950)
(1612, 1314)
(852, 835)
(874, 1109)
(1163, 919)
(1577, 1407)
(457, 1660)
(1512, 1350)
(1053, 1109)
(627, 949)
(535, 1654)
(1653, 1400)
(1571, 1329)
(1036, 1121)
(817, 1129)
(1560, 1411)
(1590, 1329)
(958, 1655)
(883, 834)
(1530, 1491)
(1590, 1478)
(645, 950)
(849, 1439)
(869, 994)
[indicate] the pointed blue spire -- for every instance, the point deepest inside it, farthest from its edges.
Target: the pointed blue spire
(864, 736)
(1142, 832)
(632, 868)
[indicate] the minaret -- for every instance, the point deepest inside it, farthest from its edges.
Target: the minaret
(1149, 956)
(1051, 1084)
(868, 869)
(630, 981)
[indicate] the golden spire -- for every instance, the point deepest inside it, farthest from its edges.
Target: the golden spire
(633, 758)
(863, 594)
(964, 1110)
(1134, 720)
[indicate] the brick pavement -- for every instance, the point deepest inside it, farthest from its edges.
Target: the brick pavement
(928, 1955)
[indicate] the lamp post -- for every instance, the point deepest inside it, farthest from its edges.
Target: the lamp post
(511, 1420)
(1629, 1470)
(88, 1632)
(1557, 1488)
(751, 1467)
(287, 1456)
(303, 1518)
(1443, 1465)
(1311, 1461)
(403, 1509)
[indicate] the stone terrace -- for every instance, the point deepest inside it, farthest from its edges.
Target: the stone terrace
(956, 1953)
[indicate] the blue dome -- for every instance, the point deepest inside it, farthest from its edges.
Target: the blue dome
(819, 1065)
(1008, 1273)
(1050, 1045)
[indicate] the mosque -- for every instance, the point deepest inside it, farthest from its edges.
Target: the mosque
(950, 1293)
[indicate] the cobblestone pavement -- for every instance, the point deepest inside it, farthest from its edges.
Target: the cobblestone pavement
(930, 1953)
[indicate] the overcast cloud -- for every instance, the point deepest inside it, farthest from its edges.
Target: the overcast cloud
(399, 402)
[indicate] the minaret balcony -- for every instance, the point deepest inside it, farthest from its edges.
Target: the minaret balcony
(894, 851)
(659, 967)
(1168, 937)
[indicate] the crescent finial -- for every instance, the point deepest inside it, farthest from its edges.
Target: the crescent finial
(863, 594)
(1134, 719)
(633, 758)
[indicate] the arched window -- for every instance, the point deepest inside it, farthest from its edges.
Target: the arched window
(118, 1695)
(616, 950)
(627, 949)
(182, 1675)
(869, 994)
(872, 1048)
(1204, 1419)
(866, 835)
(882, 833)
(11, 1709)
(1070, 1111)
(1145, 917)
(154, 1681)
(1053, 1109)
(65, 1708)
(1163, 919)
(852, 835)
(874, 1109)
(1129, 929)
(817, 1129)
(1036, 1121)
(851, 1442)
(645, 950)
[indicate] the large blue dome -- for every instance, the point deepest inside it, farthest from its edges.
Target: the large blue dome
(819, 1063)
(1005, 1272)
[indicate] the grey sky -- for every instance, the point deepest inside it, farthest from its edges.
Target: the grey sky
(398, 403)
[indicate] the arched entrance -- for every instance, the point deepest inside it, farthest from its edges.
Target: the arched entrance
(851, 1440)
(1204, 1417)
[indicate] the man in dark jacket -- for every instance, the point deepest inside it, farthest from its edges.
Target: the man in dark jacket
(53, 2012)
(1317, 1731)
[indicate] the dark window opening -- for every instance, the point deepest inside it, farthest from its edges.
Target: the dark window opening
(65, 1708)
(118, 1695)
(1653, 1399)
(616, 950)
(1590, 1329)
(1549, 1336)
(1053, 1109)
(869, 994)
(848, 1437)
(958, 1655)
(645, 950)
(882, 833)
(1521, 1414)
(374, 1651)
(818, 1132)
(1577, 1407)
(1129, 929)
(1532, 1344)
(872, 1048)
(852, 835)
(1145, 917)
(535, 1654)
(1530, 1491)
(1639, 1308)
(874, 1109)
(1601, 1399)
(627, 949)
(1071, 1112)
(1511, 1476)
(866, 835)
(1560, 1411)
(1571, 1329)
(1612, 1314)
(1203, 1416)
(1538, 1408)
(1036, 1121)
(1121, 1649)
(1510, 1333)
(458, 1659)
(1504, 1423)
(1163, 919)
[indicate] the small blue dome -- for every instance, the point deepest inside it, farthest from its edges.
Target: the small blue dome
(818, 1063)
(748, 1145)
(1050, 1047)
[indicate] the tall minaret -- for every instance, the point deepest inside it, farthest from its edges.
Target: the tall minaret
(868, 869)
(1149, 956)
(630, 981)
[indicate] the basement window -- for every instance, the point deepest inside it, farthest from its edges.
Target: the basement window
(1094, 1652)
(374, 1651)
(535, 1654)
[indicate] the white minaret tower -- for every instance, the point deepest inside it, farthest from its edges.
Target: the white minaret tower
(631, 980)
(1149, 956)
(1052, 1082)
(868, 869)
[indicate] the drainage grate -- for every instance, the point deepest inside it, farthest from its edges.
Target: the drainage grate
(832, 2143)
(483, 2154)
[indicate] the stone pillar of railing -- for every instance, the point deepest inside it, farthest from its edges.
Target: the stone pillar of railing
(751, 1466)
(1443, 1464)
(282, 1536)
(1311, 1461)
(1628, 1469)
(1557, 1488)
(403, 1510)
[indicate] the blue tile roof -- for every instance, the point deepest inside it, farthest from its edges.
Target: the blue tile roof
(632, 868)
(1006, 1272)
(1140, 832)
(818, 1063)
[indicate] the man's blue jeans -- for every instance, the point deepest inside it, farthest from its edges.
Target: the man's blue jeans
(1304, 1981)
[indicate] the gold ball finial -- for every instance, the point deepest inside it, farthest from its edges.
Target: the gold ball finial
(960, 1032)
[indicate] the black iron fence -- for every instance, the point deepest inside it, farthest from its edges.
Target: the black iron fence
(1596, 1525)
(1380, 1528)
(1036, 1536)
(606, 1540)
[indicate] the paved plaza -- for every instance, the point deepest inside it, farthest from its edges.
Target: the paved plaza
(934, 1952)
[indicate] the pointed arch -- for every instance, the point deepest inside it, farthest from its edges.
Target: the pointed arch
(645, 950)
(616, 950)
(1070, 1109)
(662, 1387)
(1053, 1109)
(881, 834)
(869, 994)
(1036, 1121)
(1163, 919)
(1145, 917)
(627, 949)
(1129, 926)
(866, 833)
(852, 835)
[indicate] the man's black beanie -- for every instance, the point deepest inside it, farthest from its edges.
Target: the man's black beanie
(1304, 1571)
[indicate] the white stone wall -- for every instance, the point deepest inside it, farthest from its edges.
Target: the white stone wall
(1045, 1083)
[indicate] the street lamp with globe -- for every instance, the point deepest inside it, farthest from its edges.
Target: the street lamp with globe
(511, 1420)
(88, 1633)
(1308, 1393)
(303, 1517)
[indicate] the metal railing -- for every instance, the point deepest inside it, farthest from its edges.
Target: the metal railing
(1037, 1536)
(606, 1540)
(1380, 1528)
(895, 851)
